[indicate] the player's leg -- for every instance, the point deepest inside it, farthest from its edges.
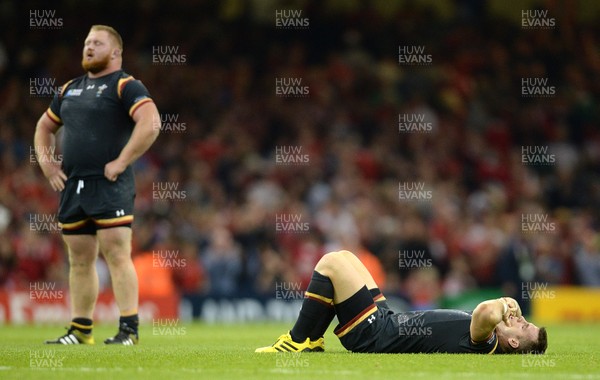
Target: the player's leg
(346, 280)
(83, 288)
(353, 301)
(83, 278)
(360, 268)
(110, 204)
(115, 245)
(378, 297)
(82, 247)
(334, 281)
(325, 320)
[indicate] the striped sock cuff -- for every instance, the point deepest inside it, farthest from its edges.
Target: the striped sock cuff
(84, 325)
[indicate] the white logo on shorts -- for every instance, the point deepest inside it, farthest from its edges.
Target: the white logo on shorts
(121, 212)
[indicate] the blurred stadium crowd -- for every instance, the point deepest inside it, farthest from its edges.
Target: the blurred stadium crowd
(470, 230)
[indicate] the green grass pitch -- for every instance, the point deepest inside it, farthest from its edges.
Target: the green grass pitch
(201, 351)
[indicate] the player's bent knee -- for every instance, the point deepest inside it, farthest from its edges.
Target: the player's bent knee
(328, 263)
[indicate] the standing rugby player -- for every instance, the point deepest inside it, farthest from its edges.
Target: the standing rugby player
(108, 120)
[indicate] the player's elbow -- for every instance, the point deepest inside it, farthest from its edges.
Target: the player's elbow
(482, 309)
(152, 120)
(153, 132)
(148, 127)
(482, 322)
(485, 314)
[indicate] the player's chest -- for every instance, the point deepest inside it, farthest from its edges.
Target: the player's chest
(90, 97)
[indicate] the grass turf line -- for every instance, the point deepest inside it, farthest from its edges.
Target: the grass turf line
(227, 352)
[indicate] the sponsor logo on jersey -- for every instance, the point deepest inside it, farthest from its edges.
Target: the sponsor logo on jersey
(74, 92)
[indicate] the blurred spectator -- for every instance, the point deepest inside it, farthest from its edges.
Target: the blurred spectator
(587, 258)
(38, 259)
(223, 262)
(154, 277)
(189, 276)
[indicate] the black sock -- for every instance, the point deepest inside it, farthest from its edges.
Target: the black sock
(318, 302)
(322, 325)
(378, 297)
(82, 324)
(132, 321)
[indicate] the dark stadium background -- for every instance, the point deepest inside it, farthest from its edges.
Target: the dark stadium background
(215, 185)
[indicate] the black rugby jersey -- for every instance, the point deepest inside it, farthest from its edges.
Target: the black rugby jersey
(96, 114)
(432, 331)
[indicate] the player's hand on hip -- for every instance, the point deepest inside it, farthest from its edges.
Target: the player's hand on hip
(113, 169)
(55, 175)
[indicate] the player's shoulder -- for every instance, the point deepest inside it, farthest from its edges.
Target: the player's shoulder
(78, 79)
(122, 75)
(126, 80)
(75, 82)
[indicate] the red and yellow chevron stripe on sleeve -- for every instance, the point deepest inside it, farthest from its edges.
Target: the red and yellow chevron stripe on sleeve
(138, 104)
(121, 84)
(53, 117)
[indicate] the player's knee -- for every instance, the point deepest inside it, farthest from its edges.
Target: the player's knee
(117, 256)
(82, 256)
(82, 260)
(329, 262)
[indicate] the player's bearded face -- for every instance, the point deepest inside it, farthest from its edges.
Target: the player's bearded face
(97, 52)
(95, 63)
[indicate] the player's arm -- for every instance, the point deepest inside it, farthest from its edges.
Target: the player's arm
(144, 133)
(44, 144)
(489, 313)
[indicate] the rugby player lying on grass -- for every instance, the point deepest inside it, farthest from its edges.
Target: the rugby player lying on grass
(342, 286)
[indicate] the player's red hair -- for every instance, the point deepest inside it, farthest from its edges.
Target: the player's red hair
(111, 32)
